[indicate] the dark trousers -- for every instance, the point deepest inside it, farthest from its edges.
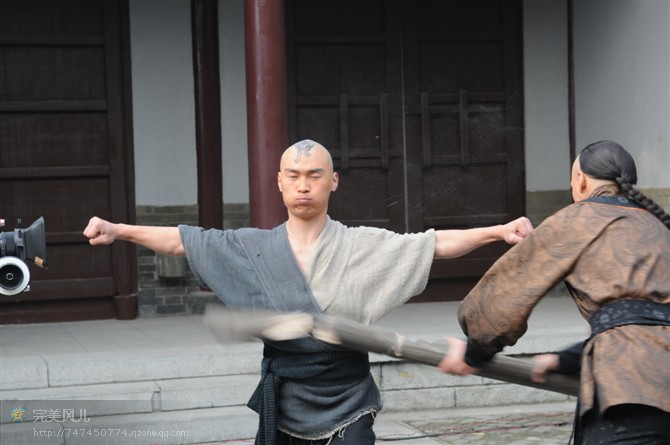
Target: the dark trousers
(625, 425)
(358, 433)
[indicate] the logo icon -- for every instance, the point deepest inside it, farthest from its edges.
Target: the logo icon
(17, 415)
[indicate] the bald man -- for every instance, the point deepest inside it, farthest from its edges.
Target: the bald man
(311, 392)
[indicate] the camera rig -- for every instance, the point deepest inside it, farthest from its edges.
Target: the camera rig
(16, 248)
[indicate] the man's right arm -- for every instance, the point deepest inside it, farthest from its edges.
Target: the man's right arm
(165, 240)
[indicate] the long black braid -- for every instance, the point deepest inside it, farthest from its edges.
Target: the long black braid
(610, 161)
(646, 202)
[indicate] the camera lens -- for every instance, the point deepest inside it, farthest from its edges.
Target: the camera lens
(11, 277)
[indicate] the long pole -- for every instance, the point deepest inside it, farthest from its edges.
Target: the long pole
(228, 325)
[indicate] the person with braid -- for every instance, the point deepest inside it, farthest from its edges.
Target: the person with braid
(612, 250)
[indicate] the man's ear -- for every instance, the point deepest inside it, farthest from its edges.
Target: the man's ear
(336, 181)
(582, 181)
(279, 181)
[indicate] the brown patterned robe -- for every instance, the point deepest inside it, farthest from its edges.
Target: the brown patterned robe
(604, 253)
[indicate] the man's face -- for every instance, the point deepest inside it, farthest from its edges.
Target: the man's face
(306, 179)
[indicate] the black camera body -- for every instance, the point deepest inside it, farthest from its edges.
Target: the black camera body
(16, 248)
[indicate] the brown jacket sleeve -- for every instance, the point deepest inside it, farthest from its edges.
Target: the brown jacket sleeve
(495, 313)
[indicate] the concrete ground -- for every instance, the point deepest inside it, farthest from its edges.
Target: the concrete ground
(157, 348)
(537, 424)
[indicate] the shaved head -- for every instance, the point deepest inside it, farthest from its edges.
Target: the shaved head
(306, 179)
(301, 151)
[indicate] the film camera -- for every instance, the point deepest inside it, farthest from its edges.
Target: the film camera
(16, 248)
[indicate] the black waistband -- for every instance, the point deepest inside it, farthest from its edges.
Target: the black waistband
(320, 369)
(626, 312)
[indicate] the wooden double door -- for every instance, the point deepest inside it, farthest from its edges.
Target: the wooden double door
(65, 152)
(421, 104)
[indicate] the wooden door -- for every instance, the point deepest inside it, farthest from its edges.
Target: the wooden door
(345, 91)
(420, 103)
(464, 118)
(65, 152)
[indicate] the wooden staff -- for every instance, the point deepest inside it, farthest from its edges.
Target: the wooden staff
(228, 326)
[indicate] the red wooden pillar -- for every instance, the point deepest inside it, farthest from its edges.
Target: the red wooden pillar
(266, 108)
(204, 26)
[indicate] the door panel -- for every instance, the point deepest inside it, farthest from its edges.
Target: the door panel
(64, 153)
(344, 90)
(463, 88)
(422, 111)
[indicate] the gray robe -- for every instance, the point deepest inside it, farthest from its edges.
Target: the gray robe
(357, 273)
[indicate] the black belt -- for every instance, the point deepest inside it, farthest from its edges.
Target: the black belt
(626, 312)
(321, 369)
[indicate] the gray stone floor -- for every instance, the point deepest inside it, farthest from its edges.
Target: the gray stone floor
(540, 424)
(544, 428)
(155, 346)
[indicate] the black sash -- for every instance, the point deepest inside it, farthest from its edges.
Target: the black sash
(626, 312)
(320, 369)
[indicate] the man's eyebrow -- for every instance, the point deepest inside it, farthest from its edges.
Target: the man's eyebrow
(310, 171)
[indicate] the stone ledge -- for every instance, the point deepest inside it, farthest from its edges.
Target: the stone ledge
(166, 428)
(206, 392)
(504, 394)
(77, 369)
(94, 400)
(23, 373)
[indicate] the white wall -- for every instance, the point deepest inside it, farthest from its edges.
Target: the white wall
(622, 75)
(163, 103)
(547, 141)
(622, 81)
(164, 108)
(233, 102)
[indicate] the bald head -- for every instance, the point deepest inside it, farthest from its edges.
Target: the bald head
(306, 179)
(306, 150)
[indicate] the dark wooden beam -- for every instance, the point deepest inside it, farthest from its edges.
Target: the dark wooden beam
(204, 27)
(571, 86)
(266, 108)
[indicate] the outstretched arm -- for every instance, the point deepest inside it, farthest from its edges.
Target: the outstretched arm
(455, 243)
(165, 240)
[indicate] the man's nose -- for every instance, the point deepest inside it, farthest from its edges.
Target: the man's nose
(303, 184)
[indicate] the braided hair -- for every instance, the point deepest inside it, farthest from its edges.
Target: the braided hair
(610, 161)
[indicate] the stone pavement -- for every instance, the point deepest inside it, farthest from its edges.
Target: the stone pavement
(169, 375)
(516, 425)
(537, 424)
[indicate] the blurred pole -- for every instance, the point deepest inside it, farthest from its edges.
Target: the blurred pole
(266, 108)
(205, 34)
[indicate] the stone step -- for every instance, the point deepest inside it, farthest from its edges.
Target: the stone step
(165, 428)
(32, 372)
(409, 386)
(141, 379)
(237, 424)
(203, 377)
(187, 409)
(175, 358)
(403, 385)
(129, 398)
